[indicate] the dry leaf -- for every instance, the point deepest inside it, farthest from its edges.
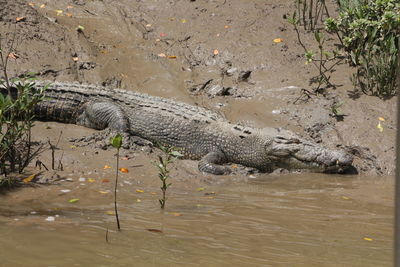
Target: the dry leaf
(216, 52)
(148, 25)
(75, 59)
(368, 239)
(42, 5)
(13, 55)
(138, 200)
(69, 7)
(31, 4)
(109, 212)
(103, 192)
(381, 119)
(124, 170)
(183, 20)
(72, 147)
(69, 15)
(345, 198)
(91, 180)
(29, 178)
(161, 55)
(139, 191)
(172, 57)
(105, 180)
(278, 40)
(18, 19)
(226, 26)
(177, 214)
(107, 167)
(59, 12)
(154, 230)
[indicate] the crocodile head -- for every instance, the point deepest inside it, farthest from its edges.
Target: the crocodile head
(289, 151)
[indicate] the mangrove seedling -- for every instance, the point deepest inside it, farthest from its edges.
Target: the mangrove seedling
(170, 155)
(116, 142)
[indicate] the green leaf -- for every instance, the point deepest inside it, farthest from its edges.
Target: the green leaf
(176, 153)
(74, 200)
(80, 28)
(116, 141)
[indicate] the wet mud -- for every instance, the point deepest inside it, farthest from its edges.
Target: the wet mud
(219, 55)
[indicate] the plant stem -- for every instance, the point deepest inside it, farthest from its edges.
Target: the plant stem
(115, 192)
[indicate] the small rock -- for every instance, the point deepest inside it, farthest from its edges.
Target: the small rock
(231, 71)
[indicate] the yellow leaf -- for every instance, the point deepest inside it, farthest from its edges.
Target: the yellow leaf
(138, 200)
(139, 191)
(124, 170)
(368, 239)
(379, 126)
(210, 197)
(29, 178)
(176, 214)
(91, 180)
(381, 119)
(103, 192)
(172, 57)
(107, 167)
(109, 212)
(183, 20)
(346, 198)
(200, 189)
(42, 5)
(215, 52)
(59, 12)
(74, 200)
(71, 146)
(278, 40)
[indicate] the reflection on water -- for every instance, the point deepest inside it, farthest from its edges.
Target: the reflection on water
(290, 220)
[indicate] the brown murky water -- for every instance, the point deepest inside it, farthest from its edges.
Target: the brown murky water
(266, 220)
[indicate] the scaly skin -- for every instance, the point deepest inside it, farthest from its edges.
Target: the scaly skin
(198, 133)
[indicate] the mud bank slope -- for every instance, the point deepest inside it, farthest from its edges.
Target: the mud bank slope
(216, 54)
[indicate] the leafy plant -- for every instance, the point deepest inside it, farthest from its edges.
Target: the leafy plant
(116, 142)
(170, 155)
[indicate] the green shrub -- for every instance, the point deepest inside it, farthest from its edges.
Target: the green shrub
(17, 100)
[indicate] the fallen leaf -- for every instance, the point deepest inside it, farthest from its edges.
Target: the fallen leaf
(210, 197)
(381, 119)
(13, 55)
(379, 126)
(139, 191)
(172, 57)
(138, 200)
(216, 52)
(42, 5)
(278, 40)
(18, 19)
(209, 193)
(171, 19)
(161, 55)
(109, 212)
(69, 15)
(73, 200)
(177, 214)
(107, 167)
(234, 166)
(368, 239)
(71, 146)
(183, 20)
(69, 7)
(80, 28)
(154, 230)
(345, 198)
(157, 40)
(200, 189)
(226, 26)
(103, 192)
(124, 170)
(29, 178)
(105, 180)
(59, 12)
(91, 180)
(148, 25)
(31, 4)
(75, 59)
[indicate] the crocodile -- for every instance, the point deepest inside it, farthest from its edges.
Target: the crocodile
(198, 133)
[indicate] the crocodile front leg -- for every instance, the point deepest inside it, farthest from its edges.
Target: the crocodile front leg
(101, 115)
(211, 163)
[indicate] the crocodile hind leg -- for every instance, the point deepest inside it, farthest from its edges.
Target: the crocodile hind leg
(111, 119)
(211, 163)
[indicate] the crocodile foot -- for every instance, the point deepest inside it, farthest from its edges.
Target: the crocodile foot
(102, 138)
